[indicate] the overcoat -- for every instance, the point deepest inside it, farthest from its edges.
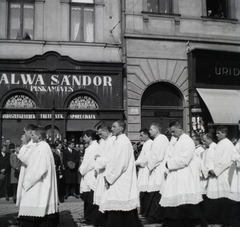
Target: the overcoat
(71, 175)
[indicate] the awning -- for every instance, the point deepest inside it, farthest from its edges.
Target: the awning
(223, 105)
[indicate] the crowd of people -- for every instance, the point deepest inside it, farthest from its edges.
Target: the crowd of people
(181, 181)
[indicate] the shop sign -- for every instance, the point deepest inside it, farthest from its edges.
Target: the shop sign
(19, 116)
(82, 116)
(216, 68)
(54, 82)
(49, 116)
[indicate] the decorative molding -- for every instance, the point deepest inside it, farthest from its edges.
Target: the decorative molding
(20, 102)
(83, 102)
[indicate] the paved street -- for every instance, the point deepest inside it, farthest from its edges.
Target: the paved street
(70, 213)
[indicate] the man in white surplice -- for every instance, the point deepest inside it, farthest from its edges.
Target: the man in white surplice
(181, 195)
(101, 163)
(121, 199)
(207, 159)
(156, 166)
(143, 172)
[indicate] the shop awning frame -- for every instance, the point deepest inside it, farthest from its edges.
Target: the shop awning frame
(223, 104)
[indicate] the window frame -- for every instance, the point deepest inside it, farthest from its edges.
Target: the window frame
(171, 8)
(82, 34)
(230, 12)
(21, 2)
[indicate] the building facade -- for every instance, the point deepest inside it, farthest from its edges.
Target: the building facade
(66, 64)
(60, 66)
(173, 50)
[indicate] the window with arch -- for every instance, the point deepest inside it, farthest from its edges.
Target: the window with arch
(82, 21)
(20, 101)
(83, 102)
(20, 19)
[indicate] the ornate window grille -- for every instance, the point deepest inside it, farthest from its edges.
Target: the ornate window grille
(20, 102)
(83, 102)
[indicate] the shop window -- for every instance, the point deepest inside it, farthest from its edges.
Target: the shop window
(21, 19)
(83, 102)
(20, 102)
(218, 9)
(159, 6)
(82, 21)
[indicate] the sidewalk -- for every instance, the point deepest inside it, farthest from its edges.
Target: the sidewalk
(70, 213)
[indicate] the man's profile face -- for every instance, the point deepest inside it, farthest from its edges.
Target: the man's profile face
(103, 133)
(35, 136)
(220, 135)
(86, 139)
(27, 134)
(206, 141)
(153, 131)
(176, 131)
(116, 129)
(143, 137)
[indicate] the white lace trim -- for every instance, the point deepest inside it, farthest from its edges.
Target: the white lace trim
(234, 196)
(180, 200)
(37, 211)
(218, 194)
(120, 205)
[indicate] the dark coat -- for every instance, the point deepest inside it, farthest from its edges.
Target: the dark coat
(5, 162)
(71, 175)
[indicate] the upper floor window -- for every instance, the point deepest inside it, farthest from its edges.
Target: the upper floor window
(21, 19)
(218, 8)
(82, 21)
(159, 6)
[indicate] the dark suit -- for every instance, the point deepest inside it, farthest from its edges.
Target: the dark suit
(5, 164)
(71, 175)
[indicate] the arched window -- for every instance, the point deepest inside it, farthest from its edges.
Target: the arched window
(83, 102)
(19, 101)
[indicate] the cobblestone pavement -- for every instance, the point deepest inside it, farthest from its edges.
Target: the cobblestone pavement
(70, 213)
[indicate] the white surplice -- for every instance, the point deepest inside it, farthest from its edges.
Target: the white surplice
(180, 186)
(24, 156)
(142, 161)
(207, 164)
(235, 184)
(86, 169)
(156, 164)
(100, 165)
(39, 185)
(218, 187)
(122, 194)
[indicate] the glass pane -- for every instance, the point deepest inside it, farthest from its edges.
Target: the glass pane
(75, 24)
(83, 1)
(15, 32)
(28, 21)
(165, 6)
(217, 8)
(88, 24)
(152, 6)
